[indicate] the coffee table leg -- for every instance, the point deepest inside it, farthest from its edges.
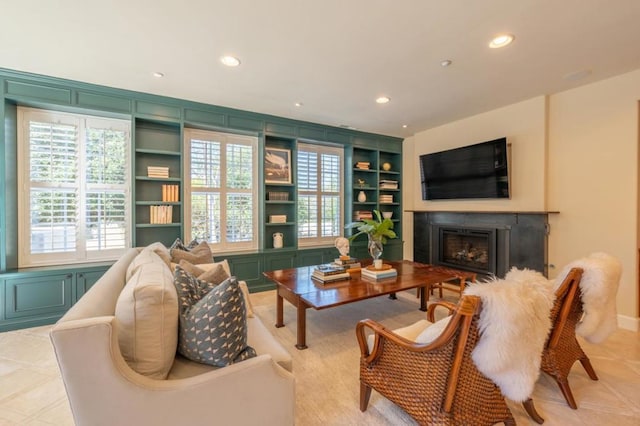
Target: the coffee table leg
(279, 310)
(393, 296)
(302, 326)
(423, 301)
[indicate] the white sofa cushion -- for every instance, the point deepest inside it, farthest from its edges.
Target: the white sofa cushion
(147, 314)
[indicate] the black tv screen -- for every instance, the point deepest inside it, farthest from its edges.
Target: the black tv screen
(474, 171)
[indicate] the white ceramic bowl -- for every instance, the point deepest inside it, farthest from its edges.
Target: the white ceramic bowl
(387, 215)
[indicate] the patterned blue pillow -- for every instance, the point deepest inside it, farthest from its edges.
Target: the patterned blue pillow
(213, 325)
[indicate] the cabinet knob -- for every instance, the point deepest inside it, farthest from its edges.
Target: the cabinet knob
(80, 275)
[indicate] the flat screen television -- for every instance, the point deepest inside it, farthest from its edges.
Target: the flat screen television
(475, 171)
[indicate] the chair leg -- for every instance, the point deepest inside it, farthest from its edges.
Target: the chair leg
(365, 394)
(531, 411)
(566, 392)
(588, 368)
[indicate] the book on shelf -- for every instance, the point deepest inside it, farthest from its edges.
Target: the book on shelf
(160, 214)
(386, 199)
(330, 278)
(388, 184)
(378, 274)
(363, 165)
(362, 214)
(170, 193)
(158, 172)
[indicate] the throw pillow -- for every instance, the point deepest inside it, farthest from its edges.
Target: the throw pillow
(178, 244)
(213, 326)
(217, 273)
(199, 254)
(147, 315)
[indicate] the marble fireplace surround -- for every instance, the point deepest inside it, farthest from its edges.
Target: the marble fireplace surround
(520, 237)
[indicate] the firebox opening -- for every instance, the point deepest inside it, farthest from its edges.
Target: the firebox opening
(470, 249)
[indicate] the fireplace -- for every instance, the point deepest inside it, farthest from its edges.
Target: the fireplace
(488, 243)
(466, 248)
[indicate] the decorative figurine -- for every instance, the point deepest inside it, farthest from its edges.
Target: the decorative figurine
(342, 244)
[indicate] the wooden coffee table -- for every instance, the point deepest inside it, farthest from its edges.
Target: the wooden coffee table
(296, 286)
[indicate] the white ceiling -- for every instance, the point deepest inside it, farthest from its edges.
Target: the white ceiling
(334, 56)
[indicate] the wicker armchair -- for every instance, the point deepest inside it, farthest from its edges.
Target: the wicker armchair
(438, 382)
(562, 349)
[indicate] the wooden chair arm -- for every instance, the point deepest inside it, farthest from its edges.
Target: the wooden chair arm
(432, 308)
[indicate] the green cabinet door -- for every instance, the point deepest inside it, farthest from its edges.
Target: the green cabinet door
(38, 296)
(85, 280)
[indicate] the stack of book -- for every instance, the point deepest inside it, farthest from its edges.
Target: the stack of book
(362, 214)
(158, 172)
(330, 273)
(363, 165)
(386, 199)
(379, 274)
(170, 193)
(351, 264)
(160, 214)
(388, 184)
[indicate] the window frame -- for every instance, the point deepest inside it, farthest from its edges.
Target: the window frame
(224, 138)
(339, 150)
(83, 122)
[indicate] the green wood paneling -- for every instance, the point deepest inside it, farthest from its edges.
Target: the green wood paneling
(245, 123)
(160, 111)
(205, 117)
(38, 295)
(279, 260)
(85, 280)
(103, 102)
(9, 218)
(339, 137)
(280, 128)
(247, 267)
(17, 89)
(313, 133)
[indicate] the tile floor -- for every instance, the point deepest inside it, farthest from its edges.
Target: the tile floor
(32, 393)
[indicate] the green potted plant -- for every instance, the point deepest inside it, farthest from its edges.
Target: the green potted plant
(378, 230)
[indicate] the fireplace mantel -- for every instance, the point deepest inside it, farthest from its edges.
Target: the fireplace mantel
(521, 237)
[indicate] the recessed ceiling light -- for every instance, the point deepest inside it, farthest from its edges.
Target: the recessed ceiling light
(404, 126)
(446, 63)
(230, 61)
(299, 104)
(383, 100)
(158, 74)
(501, 41)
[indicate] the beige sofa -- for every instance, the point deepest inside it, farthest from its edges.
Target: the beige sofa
(104, 390)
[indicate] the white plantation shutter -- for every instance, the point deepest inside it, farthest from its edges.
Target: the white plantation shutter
(75, 174)
(319, 194)
(222, 202)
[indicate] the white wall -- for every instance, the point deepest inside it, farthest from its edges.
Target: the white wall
(593, 176)
(574, 152)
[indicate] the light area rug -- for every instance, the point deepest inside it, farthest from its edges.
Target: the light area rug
(327, 377)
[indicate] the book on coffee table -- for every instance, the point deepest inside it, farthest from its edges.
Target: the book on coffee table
(378, 274)
(331, 277)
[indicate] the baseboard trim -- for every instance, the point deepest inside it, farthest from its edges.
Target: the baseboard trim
(628, 323)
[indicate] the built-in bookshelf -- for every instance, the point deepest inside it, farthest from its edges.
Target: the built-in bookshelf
(158, 181)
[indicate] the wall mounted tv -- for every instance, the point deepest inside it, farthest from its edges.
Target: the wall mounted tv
(475, 171)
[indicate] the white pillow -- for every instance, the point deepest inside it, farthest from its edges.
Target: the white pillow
(147, 316)
(430, 333)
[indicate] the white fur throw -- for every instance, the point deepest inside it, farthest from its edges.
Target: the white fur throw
(514, 324)
(599, 286)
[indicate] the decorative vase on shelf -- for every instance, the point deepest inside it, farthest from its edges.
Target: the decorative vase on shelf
(362, 197)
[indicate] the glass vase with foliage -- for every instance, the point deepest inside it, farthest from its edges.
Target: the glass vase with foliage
(378, 231)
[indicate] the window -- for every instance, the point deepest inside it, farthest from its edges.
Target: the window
(221, 200)
(74, 175)
(320, 207)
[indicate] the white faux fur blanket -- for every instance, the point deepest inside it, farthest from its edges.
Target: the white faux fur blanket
(599, 286)
(514, 324)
